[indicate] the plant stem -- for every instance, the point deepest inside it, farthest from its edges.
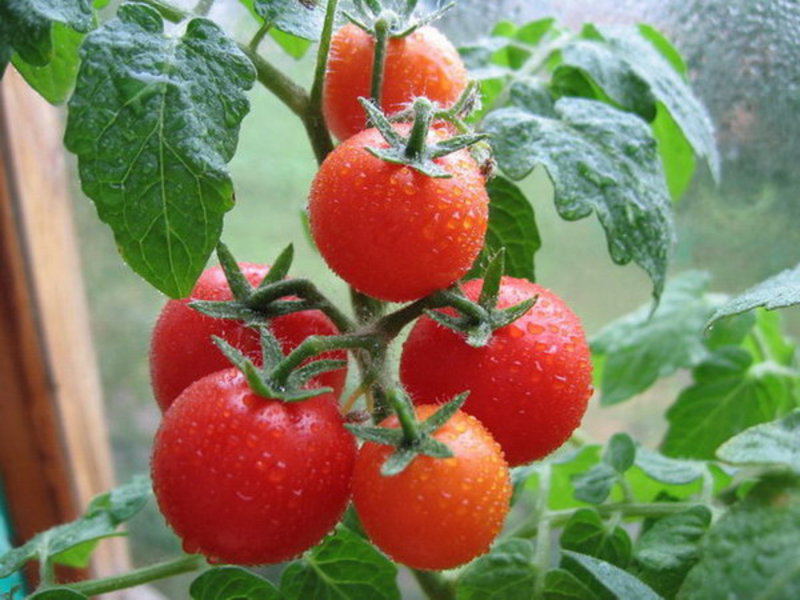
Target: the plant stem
(646, 509)
(318, 344)
(286, 90)
(435, 586)
(183, 564)
(262, 31)
(203, 7)
(423, 115)
(315, 116)
(401, 406)
(541, 556)
(382, 26)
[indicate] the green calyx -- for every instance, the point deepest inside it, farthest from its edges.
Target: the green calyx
(413, 437)
(414, 150)
(477, 321)
(378, 21)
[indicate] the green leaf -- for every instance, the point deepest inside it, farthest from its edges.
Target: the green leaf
(153, 121)
(777, 442)
(294, 46)
(595, 485)
(232, 583)
(728, 396)
(778, 291)
(668, 470)
(298, 18)
(563, 585)
(344, 566)
(512, 225)
(618, 583)
(103, 515)
(600, 160)
(505, 573)
(664, 47)
(676, 152)
(25, 27)
(54, 81)
(620, 453)
(669, 548)
(565, 466)
(586, 533)
(58, 593)
(639, 348)
(751, 552)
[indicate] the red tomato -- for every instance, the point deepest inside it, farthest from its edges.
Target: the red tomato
(390, 231)
(181, 350)
(249, 480)
(424, 63)
(529, 386)
(438, 513)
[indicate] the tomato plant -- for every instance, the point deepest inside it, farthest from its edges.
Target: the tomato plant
(534, 375)
(250, 480)
(425, 202)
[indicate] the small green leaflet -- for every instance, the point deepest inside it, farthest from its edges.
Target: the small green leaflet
(55, 80)
(778, 291)
(294, 23)
(600, 160)
(752, 552)
(232, 583)
(505, 573)
(777, 442)
(154, 119)
(641, 347)
(729, 394)
(563, 585)
(605, 577)
(343, 566)
(586, 533)
(25, 27)
(104, 514)
(564, 466)
(512, 225)
(595, 485)
(666, 551)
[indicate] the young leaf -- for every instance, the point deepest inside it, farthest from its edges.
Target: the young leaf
(600, 160)
(232, 583)
(565, 467)
(669, 548)
(505, 573)
(668, 470)
(586, 533)
(595, 485)
(55, 80)
(728, 396)
(620, 584)
(343, 566)
(104, 514)
(563, 585)
(153, 121)
(777, 442)
(751, 552)
(778, 291)
(301, 19)
(641, 347)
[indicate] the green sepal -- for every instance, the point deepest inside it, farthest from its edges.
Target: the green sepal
(380, 435)
(432, 447)
(237, 282)
(435, 422)
(307, 372)
(491, 279)
(227, 310)
(398, 461)
(280, 268)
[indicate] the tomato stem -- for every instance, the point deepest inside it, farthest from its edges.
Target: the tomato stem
(405, 414)
(382, 27)
(314, 119)
(170, 568)
(417, 140)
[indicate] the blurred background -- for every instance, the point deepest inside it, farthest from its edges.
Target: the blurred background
(742, 55)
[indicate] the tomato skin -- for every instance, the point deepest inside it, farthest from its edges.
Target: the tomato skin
(248, 480)
(437, 513)
(390, 231)
(423, 63)
(529, 386)
(181, 349)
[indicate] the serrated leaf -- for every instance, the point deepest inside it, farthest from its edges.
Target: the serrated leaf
(778, 291)
(751, 552)
(727, 397)
(586, 533)
(25, 27)
(512, 225)
(777, 442)
(343, 567)
(669, 548)
(600, 160)
(505, 573)
(640, 348)
(620, 584)
(153, 121)
(563, 585)
(103, 515)
(55, 80)
(232, 583)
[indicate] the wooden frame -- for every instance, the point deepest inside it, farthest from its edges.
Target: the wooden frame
(54, 451)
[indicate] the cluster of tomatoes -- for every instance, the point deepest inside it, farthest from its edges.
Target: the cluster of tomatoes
(250, 480)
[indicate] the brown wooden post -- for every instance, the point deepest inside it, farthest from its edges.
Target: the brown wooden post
(54, 451)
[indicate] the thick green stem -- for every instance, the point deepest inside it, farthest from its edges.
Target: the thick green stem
(259, 36)
(541, 556)
(286, 90)
(435, 585)
(184, 564)
(382, 26)
(423, 115)
(402, 407)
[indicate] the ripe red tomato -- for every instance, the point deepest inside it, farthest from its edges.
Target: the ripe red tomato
(423, 63)
(390, 231)
(437, 513)
(181, 350)
(249, 480)
(529, 386)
